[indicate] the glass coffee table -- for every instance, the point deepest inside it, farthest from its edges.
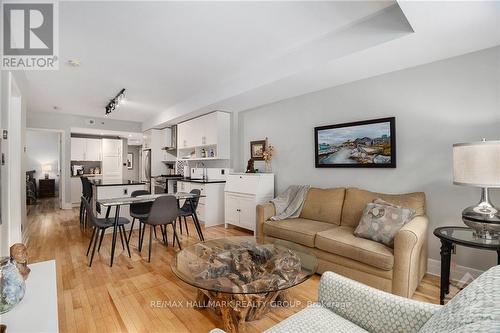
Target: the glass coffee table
(240, 277)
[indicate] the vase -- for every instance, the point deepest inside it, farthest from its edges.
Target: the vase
(12, 286)
(269, 167)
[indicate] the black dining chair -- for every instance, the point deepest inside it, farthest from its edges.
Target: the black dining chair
(188, 209)
(139, 211)
(163, 212)
(86, 195)
(100, 225)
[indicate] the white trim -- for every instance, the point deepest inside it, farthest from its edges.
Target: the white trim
(457, 272)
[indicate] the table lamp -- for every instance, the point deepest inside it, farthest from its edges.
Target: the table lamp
(46, 168)
(478, 164)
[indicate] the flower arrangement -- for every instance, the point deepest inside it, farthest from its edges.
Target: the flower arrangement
(267, 155)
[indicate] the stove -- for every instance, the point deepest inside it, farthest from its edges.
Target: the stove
(166, 183)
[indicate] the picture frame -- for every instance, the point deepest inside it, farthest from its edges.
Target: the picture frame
(257, 149)
(130, 161)
(361, 144)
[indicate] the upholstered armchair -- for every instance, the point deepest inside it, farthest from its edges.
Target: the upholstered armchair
(345, 305)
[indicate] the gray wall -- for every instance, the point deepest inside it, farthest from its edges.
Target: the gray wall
(134, 173)
(436, 105)
(61, 121)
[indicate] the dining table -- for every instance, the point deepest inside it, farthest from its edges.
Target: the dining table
(124, 201)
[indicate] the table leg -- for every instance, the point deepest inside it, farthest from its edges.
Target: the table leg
(196, 221)
(445, 269)
(498, 257)
(117, 215)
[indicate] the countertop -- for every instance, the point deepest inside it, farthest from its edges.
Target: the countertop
(201, 181)
(114, 182)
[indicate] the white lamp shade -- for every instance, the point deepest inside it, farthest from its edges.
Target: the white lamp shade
(477, 164)
(46, 168)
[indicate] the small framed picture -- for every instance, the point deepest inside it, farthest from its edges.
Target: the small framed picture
(130, 161)
(257, 149)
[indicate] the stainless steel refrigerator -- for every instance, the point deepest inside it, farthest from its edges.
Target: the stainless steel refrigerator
(146, 168)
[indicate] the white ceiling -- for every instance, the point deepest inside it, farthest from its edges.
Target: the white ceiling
(178, 59)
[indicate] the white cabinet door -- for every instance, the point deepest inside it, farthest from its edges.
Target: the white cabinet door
(111, 147)
(78, 148)
(112, 167)
(146, 140)
(247, 210)
(181, 135)
(231, 207)
(93, 151)
(209, 129)
(76, 189)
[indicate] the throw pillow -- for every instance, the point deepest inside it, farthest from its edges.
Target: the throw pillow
(381, 221)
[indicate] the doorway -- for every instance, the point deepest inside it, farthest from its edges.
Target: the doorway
(44, 178)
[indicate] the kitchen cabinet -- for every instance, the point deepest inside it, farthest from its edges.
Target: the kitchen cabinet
(208, 133)
(83, 149)
(210, 209)
(112, 159)
(78, 149)
(94, 150)
(242, 193)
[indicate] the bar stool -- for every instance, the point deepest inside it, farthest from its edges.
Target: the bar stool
(86, 195)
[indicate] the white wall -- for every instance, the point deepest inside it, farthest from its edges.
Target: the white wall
(436, 105)
(42, 147)
(64, 122)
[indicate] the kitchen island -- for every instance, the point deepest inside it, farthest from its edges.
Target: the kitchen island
(112, 188)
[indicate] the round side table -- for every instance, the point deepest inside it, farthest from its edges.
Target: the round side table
(461, 236)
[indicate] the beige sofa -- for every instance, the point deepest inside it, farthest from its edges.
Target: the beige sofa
(326, 227)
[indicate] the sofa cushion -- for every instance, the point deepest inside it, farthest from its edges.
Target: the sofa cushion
(324, 205)
(301, 231)
(341, 241)
(356, 200)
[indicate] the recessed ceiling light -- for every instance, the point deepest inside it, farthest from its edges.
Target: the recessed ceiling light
(55, 107)
(129, 135)
(74, 62)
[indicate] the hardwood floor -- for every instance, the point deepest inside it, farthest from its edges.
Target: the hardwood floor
(119, 298)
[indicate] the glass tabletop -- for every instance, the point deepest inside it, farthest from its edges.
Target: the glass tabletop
(466, 236)
(145, 198)
(241, 265)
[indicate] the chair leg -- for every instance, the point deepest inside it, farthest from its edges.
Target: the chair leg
(154, 229)
(93, 249)
(186, 225)
(142, 237)
(126, 243)
(139, 245)
(164, 233)
(81, 212)
(180, 224)
(150, 241)
(121, 237)
(196, 227)
(100, 241)
(91, 239)
(176, 237)
(130, 232)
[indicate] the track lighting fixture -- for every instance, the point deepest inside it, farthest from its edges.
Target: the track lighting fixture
(115, 102)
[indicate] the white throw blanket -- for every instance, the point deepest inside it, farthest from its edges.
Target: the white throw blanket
(289, 204)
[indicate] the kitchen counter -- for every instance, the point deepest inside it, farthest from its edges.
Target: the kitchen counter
(87, 175)
(201, 181)
(114, 182)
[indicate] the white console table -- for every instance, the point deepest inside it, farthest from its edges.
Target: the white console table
(37, 312)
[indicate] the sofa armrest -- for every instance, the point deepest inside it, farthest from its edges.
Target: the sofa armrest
(370, 308)
(410, 248)
(264, 212)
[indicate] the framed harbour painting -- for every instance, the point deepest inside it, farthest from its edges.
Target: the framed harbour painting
(361, 144)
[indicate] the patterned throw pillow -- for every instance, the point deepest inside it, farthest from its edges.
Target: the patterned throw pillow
(381, 221)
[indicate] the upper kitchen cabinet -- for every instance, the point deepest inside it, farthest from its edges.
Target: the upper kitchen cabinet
(205, 137)
(83, 149)
(111, 147)
(154, 140)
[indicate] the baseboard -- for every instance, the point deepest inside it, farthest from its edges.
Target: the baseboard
(66, 205)
(457, 273)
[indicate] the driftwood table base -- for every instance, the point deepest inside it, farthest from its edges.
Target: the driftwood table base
(237, 309)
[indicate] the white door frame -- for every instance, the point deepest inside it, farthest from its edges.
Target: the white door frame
(62, 163)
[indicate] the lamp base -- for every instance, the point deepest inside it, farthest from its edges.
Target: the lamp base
(484, 218)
